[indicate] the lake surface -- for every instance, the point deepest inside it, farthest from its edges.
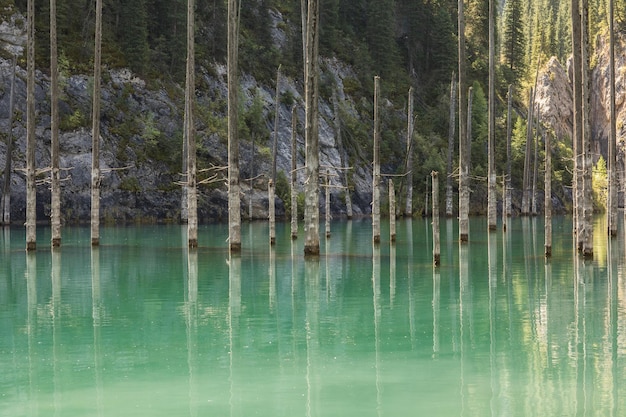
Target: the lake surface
(143, 327)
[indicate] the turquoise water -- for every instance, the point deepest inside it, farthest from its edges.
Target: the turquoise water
(143, 327)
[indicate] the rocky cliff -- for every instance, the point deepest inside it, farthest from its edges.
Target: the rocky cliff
(141, 150)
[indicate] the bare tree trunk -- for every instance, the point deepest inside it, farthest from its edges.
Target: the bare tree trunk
(526, 179)
(31, 191)
(376, 170)
(252, 175)
(8, 170)
(303, 15)
(463, 135)
(190, 88)
(276, 115)
(54, 130)
(408, 208)
(327, 203)
(548, 196)
(234, 199)
(587, 156)
(342, 155)
(95, 131)
(612, 163)
(492, 214)
(272, 211)
(535, 164)
(464, 156)
(436, 237)
(507, 180)
(392, 211)
(451, 128)
(312, 189)
(294, 176)
(578, 121)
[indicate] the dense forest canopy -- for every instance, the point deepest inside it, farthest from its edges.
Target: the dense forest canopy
(406, 42)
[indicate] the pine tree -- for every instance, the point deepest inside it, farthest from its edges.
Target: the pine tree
(513, 41)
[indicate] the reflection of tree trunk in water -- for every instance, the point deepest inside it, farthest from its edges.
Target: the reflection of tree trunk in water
(234, 311)
(31, 329)
(57, 342)
(492, 259)
(97, 316)
(191, 321)
(377, 318)
(392, 274)
(312, 279)
(436, 308)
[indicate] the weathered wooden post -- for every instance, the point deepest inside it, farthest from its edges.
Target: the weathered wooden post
(312, 189)
(55, 183)
(548, 195)
(294, 165)
(436, 236)
(392, 211)
(192, 198)
(31, 191)
(272, 211)
(234, 199)
(376, 170)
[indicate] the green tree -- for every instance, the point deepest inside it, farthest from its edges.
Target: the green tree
(513, 41)
(133, 34)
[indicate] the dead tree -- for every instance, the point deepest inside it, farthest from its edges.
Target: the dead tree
(312, 189)
(548, 195)
(392, 211)
(192, 198)
(578, 120)
(612, 163)
(31, 191)
(376, 170)
(451, 129)
(507, 180)
(342, 154)
(272, 211)
(294, 176)
(327, 203)
(234, 199)
(464, 156)
(435, 223)
(8, 170)
(55, 180)
(492, 213)
(463, 136)
(587, 158)
(95, 131)
(408, 208)
(526, 177)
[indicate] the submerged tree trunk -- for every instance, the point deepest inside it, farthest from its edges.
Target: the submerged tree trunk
(612, 162)
(234, 199)
(31, 192)
(276, 116)
(95, 131)
(392, 211)
(587, 156)
(535, 165)
(492, 214)
(578, 121)
(463, 136)
(507, 180)
(190, 89)
(312, 189)
(294, 176)
(548, 195)
(526, 178)
(464, 156)
(272, 211)
(408, 208)
(8, 170)
(451, 128)
(327, 203)
(376, 170)
(342, 155)
(436, 238)
(55, 203)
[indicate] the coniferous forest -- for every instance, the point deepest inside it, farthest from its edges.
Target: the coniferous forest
(408, 43)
